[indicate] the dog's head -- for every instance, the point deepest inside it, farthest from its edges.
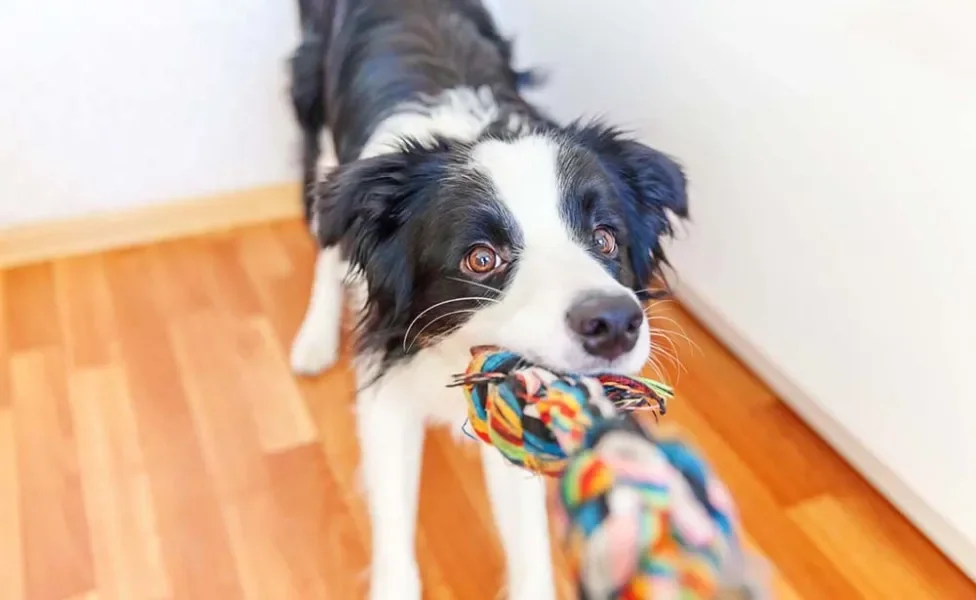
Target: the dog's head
(544, 244)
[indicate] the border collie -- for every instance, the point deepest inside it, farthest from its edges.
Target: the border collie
(459, 215)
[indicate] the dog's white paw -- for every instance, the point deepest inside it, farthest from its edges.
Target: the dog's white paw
(394, 583)
(315, 349)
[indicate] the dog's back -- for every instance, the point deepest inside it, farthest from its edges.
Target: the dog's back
(361, 60)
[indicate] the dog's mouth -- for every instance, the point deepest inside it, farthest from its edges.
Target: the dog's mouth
(601, 366)
(588, 366)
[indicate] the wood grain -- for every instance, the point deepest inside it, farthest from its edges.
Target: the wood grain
(11, 542)
(54, 522)
(153, 445)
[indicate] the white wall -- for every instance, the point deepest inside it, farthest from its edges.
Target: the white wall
(113, 103)
(831, 147)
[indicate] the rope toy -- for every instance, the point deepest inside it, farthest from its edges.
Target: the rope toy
(640, 514)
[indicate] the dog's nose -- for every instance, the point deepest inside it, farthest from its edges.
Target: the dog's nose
(608, 324)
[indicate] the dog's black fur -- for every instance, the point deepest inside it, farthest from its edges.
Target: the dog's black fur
(396, 215)
(360, 59)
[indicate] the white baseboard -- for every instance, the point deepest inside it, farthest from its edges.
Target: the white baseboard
(954, 544)
(103, 231)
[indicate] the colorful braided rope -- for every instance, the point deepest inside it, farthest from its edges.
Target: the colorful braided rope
(537, 418)
(641, 514)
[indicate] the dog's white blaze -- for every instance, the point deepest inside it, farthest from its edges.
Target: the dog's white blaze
(459, 114)
(553, 268)
(523, 175)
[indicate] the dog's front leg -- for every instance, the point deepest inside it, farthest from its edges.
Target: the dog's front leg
(316, 346)
(391, 437)
(518, 502)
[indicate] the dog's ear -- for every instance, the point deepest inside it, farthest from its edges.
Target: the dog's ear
(364, 207)
(355, 205)
(651, 185)
(657, 180)
(359, 207)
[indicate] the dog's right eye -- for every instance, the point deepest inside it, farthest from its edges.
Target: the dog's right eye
(481, 260)
(605, 242)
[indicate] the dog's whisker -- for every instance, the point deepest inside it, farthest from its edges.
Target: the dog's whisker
(664, 332)
(676, 362)
(427, 325)
(673, 353)
(684, 338)
(676, 373)
(659, 340)
(652, 290)
(431, 322)
(658, 372)
(670, 360)
(681, 334)
(652, 316)
(662, 351)
(439, 304)
(649, 311)
(664, 317)
(477, 284)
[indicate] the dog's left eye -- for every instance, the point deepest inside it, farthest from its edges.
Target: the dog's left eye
(604, 241)
(481, 260)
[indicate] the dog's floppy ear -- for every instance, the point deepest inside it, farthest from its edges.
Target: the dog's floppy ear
(354, 204)
(651, 185)
(358, 207)
(657, 179)
(363, 207)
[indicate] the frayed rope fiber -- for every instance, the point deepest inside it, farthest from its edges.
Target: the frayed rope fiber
(640, 513)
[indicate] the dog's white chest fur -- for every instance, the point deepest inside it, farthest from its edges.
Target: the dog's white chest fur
(424, 380)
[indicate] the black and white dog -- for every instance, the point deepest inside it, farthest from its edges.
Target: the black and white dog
(458, 215)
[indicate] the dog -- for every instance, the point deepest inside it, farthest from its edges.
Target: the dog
(456, 214)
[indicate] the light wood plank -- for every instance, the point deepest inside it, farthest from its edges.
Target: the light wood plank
(874, 560)
(54, 525)
(31, 313)
(11, 542)
(217, 351)
(85, 309)
(90, 595)
(4, 352)
(229, 280)
(325, 545)
(264, 571)
(192, 536)
(216, 387)
(227, 369)
(127, 553)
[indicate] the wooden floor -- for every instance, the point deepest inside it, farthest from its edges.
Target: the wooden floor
(153, 444)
